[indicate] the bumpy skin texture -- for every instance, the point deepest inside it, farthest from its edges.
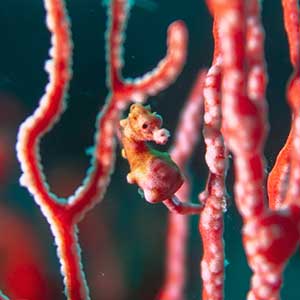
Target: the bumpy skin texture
(153, 171)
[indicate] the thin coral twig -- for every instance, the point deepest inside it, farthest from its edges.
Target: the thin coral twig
(280, 173)
(186, 136)
(292, 24)
(211, 219)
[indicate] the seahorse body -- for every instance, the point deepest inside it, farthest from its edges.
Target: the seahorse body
(153, 171)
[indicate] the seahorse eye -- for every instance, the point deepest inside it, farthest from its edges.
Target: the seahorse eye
(145, 126)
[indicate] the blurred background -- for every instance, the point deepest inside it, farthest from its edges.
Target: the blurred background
(123, 238)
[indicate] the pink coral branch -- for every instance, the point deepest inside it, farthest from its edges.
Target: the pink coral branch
(50, 107)
(211, 229)
(244, 128)
(30, 133)
(211, 219)
(185, 140)
(243, 117)
(279, 175)
(292, 23)
(283, 180)
(118, 14)
(65, 214)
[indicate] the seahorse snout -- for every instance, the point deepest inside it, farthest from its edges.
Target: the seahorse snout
(161, 136)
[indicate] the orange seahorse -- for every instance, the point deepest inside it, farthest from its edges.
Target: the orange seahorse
(153, 171)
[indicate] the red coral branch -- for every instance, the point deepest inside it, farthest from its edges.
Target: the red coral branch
(63, 215)
(279, 176)
(211, 219)
(292, 23)
(244, 129)
(185, 139)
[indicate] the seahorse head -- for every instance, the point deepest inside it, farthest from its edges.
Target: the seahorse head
(144, 125)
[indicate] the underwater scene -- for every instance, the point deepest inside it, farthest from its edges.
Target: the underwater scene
(149, 150)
